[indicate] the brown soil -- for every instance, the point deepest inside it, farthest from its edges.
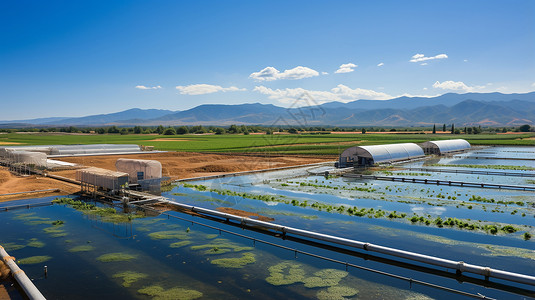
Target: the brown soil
(9, 143)
(10, 183)
(4, 295)
(4, 271)
(179, 165)
(243, 213)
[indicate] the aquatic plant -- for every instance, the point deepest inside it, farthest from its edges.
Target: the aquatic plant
(34, 260)
(159, 293)
(82, 248)
(130, 277)
(106, 214)
(509, 229)
(220, 246)
(35, 243)
(180, 244)
(211, 236)
(497, 167)
(285, 273)
(324, 278)
(58, 222)
(118, 256)
(55, 231)
(12, 246)
(235, 262)
(169, 235)
(336, 293)
(526, 236)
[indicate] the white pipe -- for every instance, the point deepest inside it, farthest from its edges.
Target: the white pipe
(441, 262)
(27, 285)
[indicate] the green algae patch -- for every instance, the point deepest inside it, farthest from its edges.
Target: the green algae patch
(169, 235)
(289, 272)
(235, 262)
(285, 273)
(220, 246)
(34, 260)
(143, 229)
(211, 236)
(496, 250)
(337, 293)
(159, 293)
(35, 243)
(33, 223)
(130, 277)
(106, 214)
(146, 222)
(12, 246)
(325, 278)
(55, 231)
(180, 244)
(118, 256)
(82, 248)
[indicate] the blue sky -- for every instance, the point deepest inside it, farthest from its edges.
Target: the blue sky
(75, 58)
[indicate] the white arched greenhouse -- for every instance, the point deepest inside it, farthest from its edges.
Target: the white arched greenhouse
(369, 155)
(445, 146)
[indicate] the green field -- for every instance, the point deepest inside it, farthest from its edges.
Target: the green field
(314, 144)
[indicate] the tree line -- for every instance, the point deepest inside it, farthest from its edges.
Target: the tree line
(248, 129)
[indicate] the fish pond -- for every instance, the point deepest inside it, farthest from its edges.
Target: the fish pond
(93, 250)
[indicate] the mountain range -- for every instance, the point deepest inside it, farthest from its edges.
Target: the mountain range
(492, 109)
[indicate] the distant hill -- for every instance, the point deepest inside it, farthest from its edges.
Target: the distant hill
(493, 109)
(106, 119)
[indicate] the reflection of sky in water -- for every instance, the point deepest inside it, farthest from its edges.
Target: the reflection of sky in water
(434, 211)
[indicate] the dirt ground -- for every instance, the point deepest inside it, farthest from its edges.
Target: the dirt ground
(179, 165)
(176, 165)
(10, 183)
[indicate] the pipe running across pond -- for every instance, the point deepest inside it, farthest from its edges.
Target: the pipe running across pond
(459, 266)
(25, 283)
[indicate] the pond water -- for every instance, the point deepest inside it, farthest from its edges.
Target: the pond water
(136, 255)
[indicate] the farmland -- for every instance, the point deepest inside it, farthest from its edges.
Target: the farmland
(312, 144)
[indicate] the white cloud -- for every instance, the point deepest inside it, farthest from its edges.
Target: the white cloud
(425, 89)
(201, 89)
(420, 57)
(270, 74)
(456, 86)
(533, 84)
(466, 60)
(340, 93)
(324, 73)
(423, 64)
(380, 64)
(346, 68)
(142, 87)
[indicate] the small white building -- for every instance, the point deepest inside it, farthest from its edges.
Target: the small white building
(139, 169)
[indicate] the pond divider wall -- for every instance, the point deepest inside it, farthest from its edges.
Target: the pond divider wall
(459, 266)
(478, 172)
(444, 182)
(25, 283)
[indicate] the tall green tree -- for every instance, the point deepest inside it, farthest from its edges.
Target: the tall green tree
(434, 129)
